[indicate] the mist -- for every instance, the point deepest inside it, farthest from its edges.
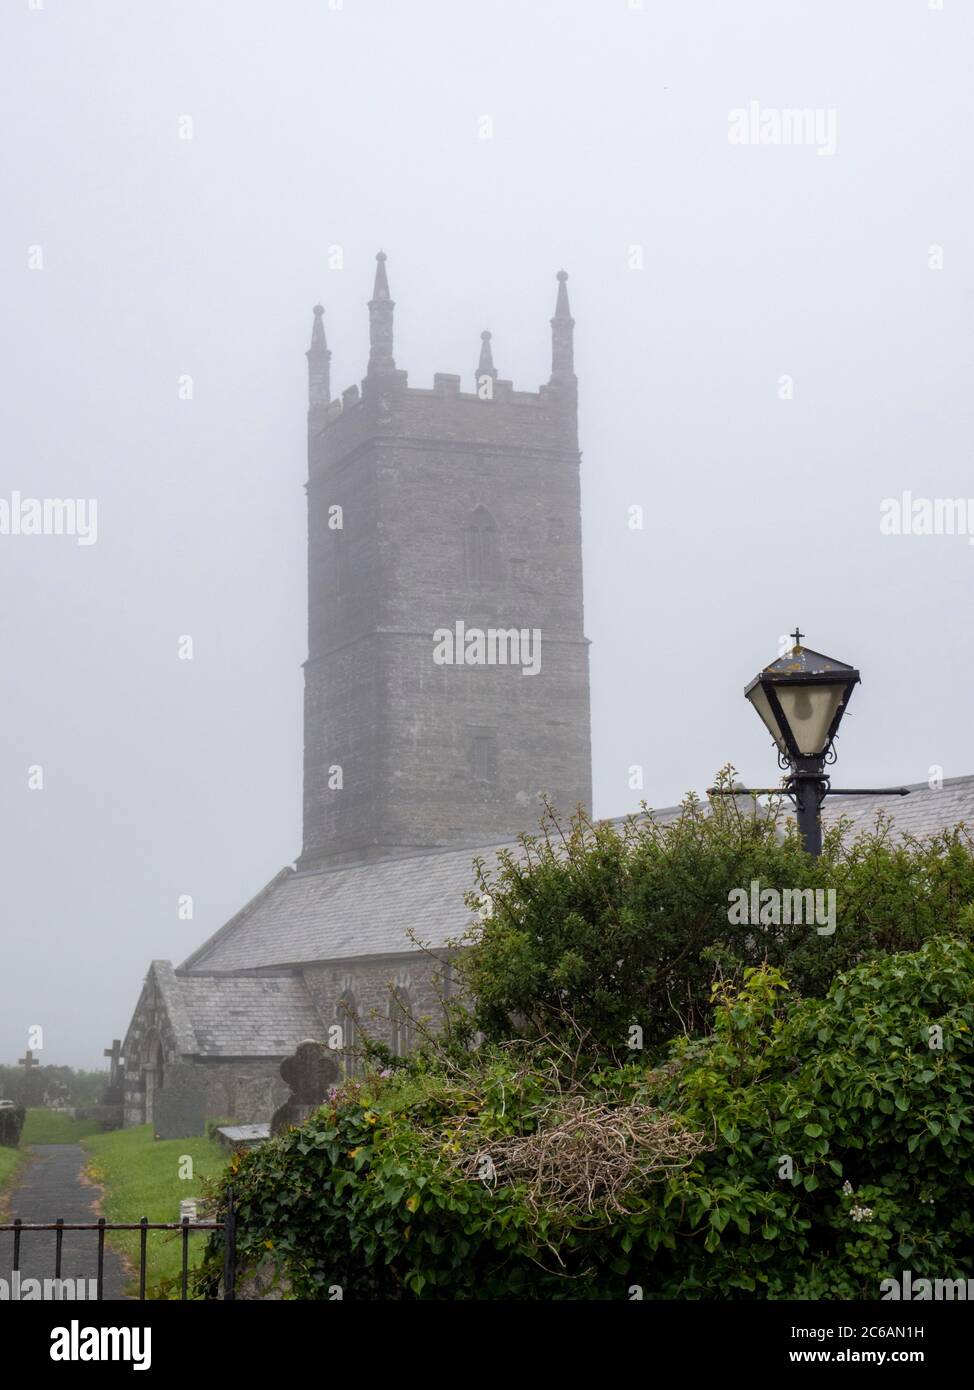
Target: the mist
(771, 339)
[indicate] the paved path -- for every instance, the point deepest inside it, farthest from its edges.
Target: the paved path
(51, 1187)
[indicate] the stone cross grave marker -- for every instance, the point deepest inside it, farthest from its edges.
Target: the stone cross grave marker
(28, 1062)
(309, 1072)
(115, 1053)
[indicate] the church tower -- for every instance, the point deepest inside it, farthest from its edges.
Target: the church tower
(446, 684)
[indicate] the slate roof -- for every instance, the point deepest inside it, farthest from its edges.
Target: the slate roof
(924, 812)
(367, 910)
(238, 1015)
(340, 914)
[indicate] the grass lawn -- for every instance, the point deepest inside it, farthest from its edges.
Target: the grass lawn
(140, 1176)
(40, 1127)
(10, 1164)
(49, 1127)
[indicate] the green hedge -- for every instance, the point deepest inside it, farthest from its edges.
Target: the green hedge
(598, 928)
(378, 1195)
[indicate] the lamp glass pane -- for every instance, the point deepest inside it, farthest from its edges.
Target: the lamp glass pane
(759, 700)
(809, 711)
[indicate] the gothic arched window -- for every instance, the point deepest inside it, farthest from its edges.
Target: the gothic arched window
(153, 1073)
(349, 1026)
(401, 1026)
(480, 551)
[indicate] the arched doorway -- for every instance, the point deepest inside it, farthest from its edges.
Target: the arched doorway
(152, 1073)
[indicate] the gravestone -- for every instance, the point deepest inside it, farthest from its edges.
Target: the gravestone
(179, 1109)
(243, 1136)
(310, 1072)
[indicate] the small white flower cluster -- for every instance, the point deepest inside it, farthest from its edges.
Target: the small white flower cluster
(857, 1212)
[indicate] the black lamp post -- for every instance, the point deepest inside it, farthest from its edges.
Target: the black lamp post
(801, 698)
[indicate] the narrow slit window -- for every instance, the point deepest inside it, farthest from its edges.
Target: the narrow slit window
(480, 548)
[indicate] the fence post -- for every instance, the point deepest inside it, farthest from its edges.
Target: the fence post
(230, 1249)
(143, 1237)
(101, 1258)
(185, 1266)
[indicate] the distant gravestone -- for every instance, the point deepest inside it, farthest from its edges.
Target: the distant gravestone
(179, 1109)
(310, 1073)
(31, 1088)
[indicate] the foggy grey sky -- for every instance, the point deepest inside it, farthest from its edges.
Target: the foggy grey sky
(358, 127)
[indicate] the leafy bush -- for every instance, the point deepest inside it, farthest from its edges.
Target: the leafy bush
(806, 1149)
(11, 1125)
(613, 927)
(869, 1093)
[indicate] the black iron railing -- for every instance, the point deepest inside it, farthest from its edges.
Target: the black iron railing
(228, 1226)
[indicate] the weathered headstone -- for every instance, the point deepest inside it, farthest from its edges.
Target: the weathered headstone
(243, 1136)
(179, 1109)
(310, 1072)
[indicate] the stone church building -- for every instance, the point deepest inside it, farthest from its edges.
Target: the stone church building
(432, 513)
(446, 685)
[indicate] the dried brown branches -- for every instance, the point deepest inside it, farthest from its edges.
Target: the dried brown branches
(587, 1156)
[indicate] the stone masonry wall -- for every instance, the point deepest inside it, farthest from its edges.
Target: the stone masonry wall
(239, 1089)
(150, 1023)
(410, 468)
(367, 984)
(244, 1091)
